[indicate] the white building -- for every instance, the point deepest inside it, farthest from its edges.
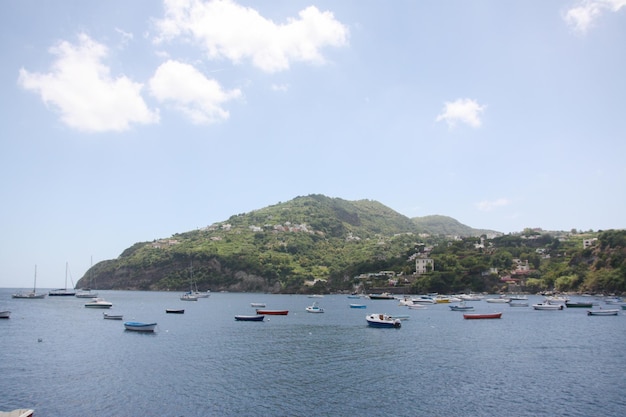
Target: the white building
(424, 265)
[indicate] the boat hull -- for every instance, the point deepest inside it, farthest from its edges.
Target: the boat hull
(578, 305)
(548, 306)
(358, 306)
(273, 312)
(479, 316)
(258, 317)
(5, 314)
(112, 316)
(139, 327)
(174, 311)
(612, 312)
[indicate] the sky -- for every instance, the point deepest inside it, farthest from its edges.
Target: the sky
(126, 122)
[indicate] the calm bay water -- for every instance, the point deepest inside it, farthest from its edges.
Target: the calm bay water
(204, 363)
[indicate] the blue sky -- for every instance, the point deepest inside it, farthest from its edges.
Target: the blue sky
(131, 121)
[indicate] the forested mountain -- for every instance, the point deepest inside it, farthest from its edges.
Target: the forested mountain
(321, 244)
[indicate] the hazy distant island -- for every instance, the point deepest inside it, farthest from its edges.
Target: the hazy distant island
(318, 244)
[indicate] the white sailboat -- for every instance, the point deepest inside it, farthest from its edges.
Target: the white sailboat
(33, 294)
(63, 292)
(86, 292)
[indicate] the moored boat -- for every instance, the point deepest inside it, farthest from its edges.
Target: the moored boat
(98, 303)
(5, 314)
(518, 304)
(257, 305)
(547, 306)
(382, 296)
(578, 304)
(314, 308)
(607, 312)
(479, 316)
(138, 326)
(108, 316)
(258, 317)
(32, 294)
(383, 320)
(175, 311)
(357, 305)
(461, 307)
(188, 297)
(501, 300)
(273, 312)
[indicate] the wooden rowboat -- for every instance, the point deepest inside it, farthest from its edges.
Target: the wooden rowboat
(258, 317)
(273, 312)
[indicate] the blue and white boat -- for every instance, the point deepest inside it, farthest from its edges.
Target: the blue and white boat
(138, 326)
(358, 306)
(314, 308)
(383, 320)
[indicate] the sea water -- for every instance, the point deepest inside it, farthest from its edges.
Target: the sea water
(63, 359)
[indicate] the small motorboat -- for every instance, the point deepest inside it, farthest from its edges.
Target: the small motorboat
(98, 303)
(261, 305)
(461, 307)
(358, 306)
(608, 312)
(5, 314)
(518, 304)
(314, 308)
(108, 316)
(175, 311)
(578, 304)
(273, 312)
(138, 326)
(382, 296)
(383, 320)
(417, 307)
(547, 306)
(479, 316)
(501, 300)
(258, 317)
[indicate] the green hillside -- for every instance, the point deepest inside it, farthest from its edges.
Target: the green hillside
(276, 248)
(319, 244)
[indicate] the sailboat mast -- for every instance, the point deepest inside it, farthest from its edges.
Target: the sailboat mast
(35, 281)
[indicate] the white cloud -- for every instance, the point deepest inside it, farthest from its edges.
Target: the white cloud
(227, 30)
(491, 205)
(463, 110)
(198, 97)
(84, 92)
(582, 16)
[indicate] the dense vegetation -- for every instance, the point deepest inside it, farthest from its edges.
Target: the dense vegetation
(321, 244)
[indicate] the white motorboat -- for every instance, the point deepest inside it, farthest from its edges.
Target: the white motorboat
(314, 308)
(383, 320)
(5, 314)
(601, 312)
(547, 306)
(98, 303)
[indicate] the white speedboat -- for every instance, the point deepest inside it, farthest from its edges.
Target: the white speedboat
(98, 303)
(5, 314)
(547, 306)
